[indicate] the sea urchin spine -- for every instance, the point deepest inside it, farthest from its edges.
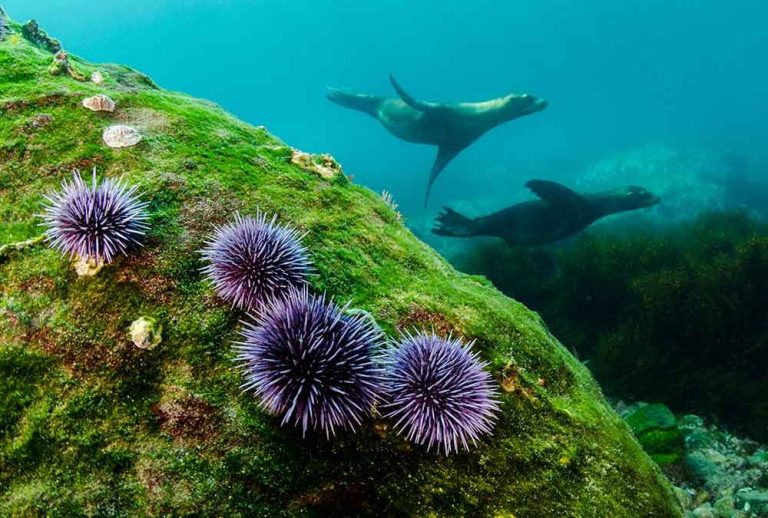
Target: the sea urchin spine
(311, 363)
(95, 222)
(438, 392)
(253, 260)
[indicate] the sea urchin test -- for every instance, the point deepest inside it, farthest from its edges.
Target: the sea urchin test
(438, 392)
(252, 260)
(312, 364)
(95, 222)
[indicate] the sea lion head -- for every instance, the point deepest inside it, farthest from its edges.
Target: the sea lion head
(517, 105)
(634, 197)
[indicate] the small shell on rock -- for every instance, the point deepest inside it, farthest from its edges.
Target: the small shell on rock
(97, 77)
(118, 136)
(99, 103)
(87, 267)
(146, 333)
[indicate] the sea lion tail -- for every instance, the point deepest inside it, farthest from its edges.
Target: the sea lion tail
(451, 223)
(363, 102)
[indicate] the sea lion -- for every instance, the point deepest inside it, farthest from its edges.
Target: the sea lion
(449, 126)
(559, 213)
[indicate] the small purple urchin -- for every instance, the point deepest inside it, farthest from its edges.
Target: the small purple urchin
(95, 222)
(311, 363)
(439, 392)
(253, 261)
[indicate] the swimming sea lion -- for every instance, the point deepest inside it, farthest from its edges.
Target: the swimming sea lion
(450, 126)
(559, 213)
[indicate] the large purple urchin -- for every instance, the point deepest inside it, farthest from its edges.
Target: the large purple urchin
(253, 260)
(311, 363)
(438, 392)
(95, 222)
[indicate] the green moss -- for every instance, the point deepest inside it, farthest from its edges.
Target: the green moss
(94, 425)
(656, 428)
(651, 417)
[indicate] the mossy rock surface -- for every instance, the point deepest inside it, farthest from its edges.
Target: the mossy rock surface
(92, 425)
(655, 426)
(654, 416)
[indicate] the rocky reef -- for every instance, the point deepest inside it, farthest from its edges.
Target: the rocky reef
(690, 181)
(117, 390)
(673, 314)
(717, 474)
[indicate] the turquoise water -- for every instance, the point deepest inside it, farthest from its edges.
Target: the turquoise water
(617, 75)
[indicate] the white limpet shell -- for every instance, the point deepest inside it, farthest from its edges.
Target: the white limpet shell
(99, 103)
(119, 135)
(87, 267)
(146, 333)
(97, 77)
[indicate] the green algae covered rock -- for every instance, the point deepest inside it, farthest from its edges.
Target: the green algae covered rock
(656, 428)
(90, 424)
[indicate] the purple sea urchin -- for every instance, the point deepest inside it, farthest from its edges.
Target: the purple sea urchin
(311, 363)
(438, 392)
(95, 222)
(253, 260)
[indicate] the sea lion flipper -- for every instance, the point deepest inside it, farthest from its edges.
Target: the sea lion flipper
(406, 97)
(554, 193)
(444, 155)
(453, 224)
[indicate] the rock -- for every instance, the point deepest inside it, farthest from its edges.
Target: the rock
(655, 426)
(724, 507)
(684, 497)
(754, 500)
(758, 498)
(146, 333)
(99, 103)
(689, 423)
(324, 165)
(4, 28)
(79, 436)
(759, 458)
(701, 498)
(120, 136)
(97, 78)
(699, 466)
(715, 456)
(38, 37)
(650, 417)
(699, 439)
(62, 66)
(705, 511)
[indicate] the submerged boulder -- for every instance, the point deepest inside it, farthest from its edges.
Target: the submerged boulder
(38, 37)
(92, 424)
(61, 66)
(655, 426)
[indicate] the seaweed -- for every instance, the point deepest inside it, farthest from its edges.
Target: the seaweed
(676, 315)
